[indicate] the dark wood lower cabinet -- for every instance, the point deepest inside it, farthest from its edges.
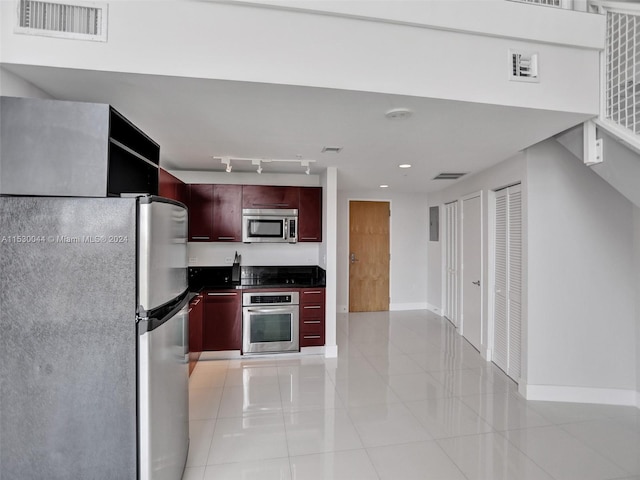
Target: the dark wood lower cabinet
(196, 310)
(312, 317)
(222, 321)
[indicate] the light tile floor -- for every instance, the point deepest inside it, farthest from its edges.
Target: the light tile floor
(407, 398)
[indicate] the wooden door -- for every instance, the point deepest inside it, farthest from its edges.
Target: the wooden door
(368, 256)
(472, 270)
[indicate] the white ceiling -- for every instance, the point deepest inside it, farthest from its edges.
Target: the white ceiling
(194, 120)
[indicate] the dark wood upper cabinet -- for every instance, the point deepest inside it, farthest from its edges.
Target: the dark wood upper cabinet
(172, 187)
(227, 213)
(263, 196)
(201, 202)
(222, 321)
(310, 214)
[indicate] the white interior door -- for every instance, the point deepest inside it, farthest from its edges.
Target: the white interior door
(451, 256)
(472, 270)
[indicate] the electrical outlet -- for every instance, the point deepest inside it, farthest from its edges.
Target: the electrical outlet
(228, 260)
(193, 260)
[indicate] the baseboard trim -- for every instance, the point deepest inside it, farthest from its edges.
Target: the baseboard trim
(330, 351)
(604, 396)
(397, 307)
(220, 355)
(436, 310)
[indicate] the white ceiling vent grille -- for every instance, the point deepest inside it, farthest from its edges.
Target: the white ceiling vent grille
(448, 176)
(65, 19)
(523, 66)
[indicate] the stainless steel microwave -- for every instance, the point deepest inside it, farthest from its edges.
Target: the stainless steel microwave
(276, 225)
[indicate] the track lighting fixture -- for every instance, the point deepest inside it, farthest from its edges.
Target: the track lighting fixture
(257, 162)
(227, 162)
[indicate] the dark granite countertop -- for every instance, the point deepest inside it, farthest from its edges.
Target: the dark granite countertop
(211, 278)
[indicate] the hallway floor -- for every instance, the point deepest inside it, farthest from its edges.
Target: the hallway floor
(407, 398)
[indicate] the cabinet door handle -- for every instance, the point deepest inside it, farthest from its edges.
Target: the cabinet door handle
(199, 238)
(312, 292)
(271, 204)
(308, 238)
(311, 336)
(222, 294)
(313, 306)
(190, 310)
(198, 298)
(226, 238)
(312, 321)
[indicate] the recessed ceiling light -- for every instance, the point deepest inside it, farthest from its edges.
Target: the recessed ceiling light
(398, 113)
(405, 165)
(384, 186)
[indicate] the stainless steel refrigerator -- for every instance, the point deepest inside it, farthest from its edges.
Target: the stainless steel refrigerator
(93, 338)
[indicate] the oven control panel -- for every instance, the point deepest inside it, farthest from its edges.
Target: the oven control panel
(267, 298)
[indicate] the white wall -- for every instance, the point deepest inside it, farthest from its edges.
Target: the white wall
(219, 40)
(12, 85)
(221, 253)
(581, 287)
(636, 248)
(329, 256)
(409, 233)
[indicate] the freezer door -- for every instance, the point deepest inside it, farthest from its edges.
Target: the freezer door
(162, 255)
(163, 396)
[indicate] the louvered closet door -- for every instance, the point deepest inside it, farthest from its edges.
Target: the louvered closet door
(500, 330)
(515, 281)
(507, 325)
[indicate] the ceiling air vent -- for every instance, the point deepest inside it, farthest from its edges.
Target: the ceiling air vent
(448, 176)
(76, 20)
(331, 149)
(523, 66)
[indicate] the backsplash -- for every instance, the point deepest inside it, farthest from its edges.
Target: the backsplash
(221, 254)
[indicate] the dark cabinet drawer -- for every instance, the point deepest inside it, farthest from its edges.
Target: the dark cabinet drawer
(312, 317)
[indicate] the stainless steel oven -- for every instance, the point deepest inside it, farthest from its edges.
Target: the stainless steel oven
(270, 322)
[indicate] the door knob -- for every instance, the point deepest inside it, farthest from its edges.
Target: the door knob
(476, 283)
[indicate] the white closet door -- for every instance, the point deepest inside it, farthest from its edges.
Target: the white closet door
(507, 325)
(451, 263)
(515, 281)
(500, 328)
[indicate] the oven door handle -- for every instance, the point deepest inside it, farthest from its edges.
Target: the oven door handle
(271, 310)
